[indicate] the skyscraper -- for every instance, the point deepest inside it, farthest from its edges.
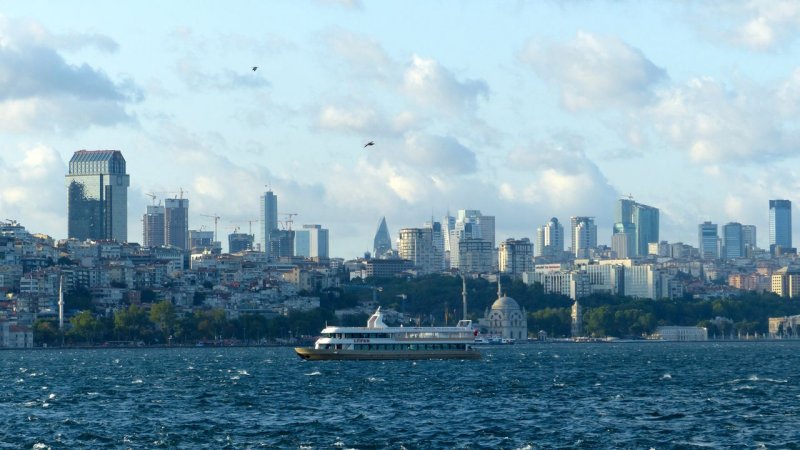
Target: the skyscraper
(416, 245)
(749, 237)
(645, 221)
(97, 195)
(584, 236)
(382, 244)
(732, 241)
(515, 256)
(269, 219)
(550, 240)
(176, 222)
(153, 226)
(311, 242)
(780, 224)
(239, 242)
(708, 240)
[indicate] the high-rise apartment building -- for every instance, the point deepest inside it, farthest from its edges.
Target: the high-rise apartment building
(515, 256)
(708, 240)
(176, 222)
(417, 246)
(470, 224)
(153, 226)
(311, 242)
(645, 221)
(269, 219)
(550, 240)
(732, 241)
(584, 236)
(780, 225)
(382, 244)
(97, 196)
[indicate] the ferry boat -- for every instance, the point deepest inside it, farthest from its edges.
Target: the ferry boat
(379, 341)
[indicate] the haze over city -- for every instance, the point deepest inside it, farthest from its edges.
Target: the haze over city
(524, 111)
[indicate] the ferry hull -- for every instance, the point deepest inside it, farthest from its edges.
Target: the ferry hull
(323, 354)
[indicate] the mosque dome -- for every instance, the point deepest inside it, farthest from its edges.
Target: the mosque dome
(505, 303)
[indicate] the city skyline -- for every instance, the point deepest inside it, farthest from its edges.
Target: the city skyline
(525, 111)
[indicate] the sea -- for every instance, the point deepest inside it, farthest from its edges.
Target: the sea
(729, 394)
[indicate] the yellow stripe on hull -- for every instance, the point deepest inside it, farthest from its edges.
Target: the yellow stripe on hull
(322, 354)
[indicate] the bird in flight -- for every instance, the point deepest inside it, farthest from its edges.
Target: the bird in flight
(254, 68)
(368, 144)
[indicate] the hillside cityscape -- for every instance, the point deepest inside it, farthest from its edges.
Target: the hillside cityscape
(279, 283)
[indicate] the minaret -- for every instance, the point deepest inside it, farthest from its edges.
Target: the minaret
(464, 295)
(499, 287)
(61, 302)
(577, 320)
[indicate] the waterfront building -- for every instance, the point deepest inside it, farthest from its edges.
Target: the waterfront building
(97, 196)
(676, 333)
(268, 219)
(515, 257)
(787, 326)
(382, 244)
(780, 225)
(176, 222)
(708, 240)
(642, 221)
(311, 242)
(505, 318)
(732, 241)
(153, 226)
(584, 236)
(550, 240)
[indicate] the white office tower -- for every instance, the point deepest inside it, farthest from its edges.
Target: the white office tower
(416, 245)
(311, 242)
(515, 257)
(550, 240)
(471, 225)
(584, 236)
(437, 236)
(448, 225)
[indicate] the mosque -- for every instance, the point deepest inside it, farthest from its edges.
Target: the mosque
(505, 318)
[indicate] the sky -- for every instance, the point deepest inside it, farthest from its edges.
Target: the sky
(522, 110)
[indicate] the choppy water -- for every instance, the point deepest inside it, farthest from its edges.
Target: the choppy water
(646, 395)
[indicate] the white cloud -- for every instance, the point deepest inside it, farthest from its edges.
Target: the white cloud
(565, 181)
(720, 125)
(358, 119)
(39, 90)
(362, 53)
(439, 154)
(32, 189)
(595, 72)
(428, 83)
(757, 25)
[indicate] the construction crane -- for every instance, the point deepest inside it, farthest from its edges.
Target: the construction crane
(152, 195)
(250, 222)
(179, 193)
(216, 221)
(287, 224)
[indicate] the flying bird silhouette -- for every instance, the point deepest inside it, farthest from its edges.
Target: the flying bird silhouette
(368, 144)
(254, 68)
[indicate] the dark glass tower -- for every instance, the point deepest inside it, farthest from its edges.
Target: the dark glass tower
(176, 222)
(780, 224)
(97, 196)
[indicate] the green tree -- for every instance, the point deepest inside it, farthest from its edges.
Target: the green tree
(131, 324)
(46, 332)
(85, 327)
(162, 314)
